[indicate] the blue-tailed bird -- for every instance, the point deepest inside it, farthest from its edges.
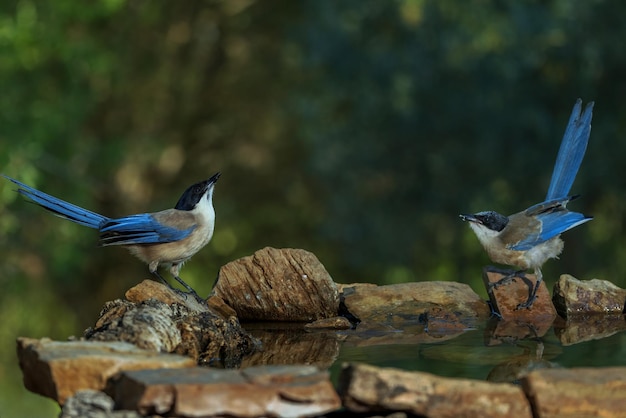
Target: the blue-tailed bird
(529, 238)
(167, 238)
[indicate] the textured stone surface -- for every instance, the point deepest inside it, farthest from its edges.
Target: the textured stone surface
(399, 304)
(93, 404)
(365, 388)
(278, 285)
(158, 319)
(507, 297)
(59, 369)
(580, 392)
(150, 289)
(582, 297)
(285, 391)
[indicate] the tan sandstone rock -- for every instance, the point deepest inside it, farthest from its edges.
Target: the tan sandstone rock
(278, 285)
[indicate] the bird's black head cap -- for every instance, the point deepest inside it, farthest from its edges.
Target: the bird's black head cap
(194, 193)
(490, 219)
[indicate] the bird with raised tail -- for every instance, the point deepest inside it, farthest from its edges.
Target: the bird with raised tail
(529, 238)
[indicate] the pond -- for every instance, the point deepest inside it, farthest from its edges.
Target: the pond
(474, 353)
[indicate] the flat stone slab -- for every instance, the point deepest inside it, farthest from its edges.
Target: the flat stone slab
(271, 391)
(58, 369)
(365, 388)
(577, 392)
(403, 303)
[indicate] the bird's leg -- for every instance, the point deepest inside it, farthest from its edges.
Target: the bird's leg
(175, 270)
(190, 289)
(508, 278)
(532, 293)
(158, 276)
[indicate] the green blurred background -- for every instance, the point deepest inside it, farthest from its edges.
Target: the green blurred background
(358, 130)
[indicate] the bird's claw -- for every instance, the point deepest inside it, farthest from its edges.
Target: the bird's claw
(526, 305)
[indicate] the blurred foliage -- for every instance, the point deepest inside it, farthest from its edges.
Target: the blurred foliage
(357, 130)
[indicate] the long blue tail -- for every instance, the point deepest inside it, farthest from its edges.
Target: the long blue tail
(59, 207)
(572, 151)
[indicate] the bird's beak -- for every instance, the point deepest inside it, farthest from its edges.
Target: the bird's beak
(469, 218)
(214, 178)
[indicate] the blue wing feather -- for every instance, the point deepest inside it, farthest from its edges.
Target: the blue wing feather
(552, 225)
(140, 229)
(571, 152)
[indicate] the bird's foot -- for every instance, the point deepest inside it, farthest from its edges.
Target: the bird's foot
(198, 298)
(528, 304)
(532, 297)
(494, 312)
(190, 291)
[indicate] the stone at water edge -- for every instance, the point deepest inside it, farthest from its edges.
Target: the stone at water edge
(507, 297)
(93, 404)
(577, 392)
(580, 297)
(288, 391)
(175, 324)
(397, 303)
(58, 369)
(278, 285)
(365, 388)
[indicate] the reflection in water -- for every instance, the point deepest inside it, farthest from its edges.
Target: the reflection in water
(286, 343)
(471, 354)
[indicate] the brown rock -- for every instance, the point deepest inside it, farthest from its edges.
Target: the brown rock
(287, 391)
(149, 289)
(506, 297)
(152, 324)
(59, 369)
(278, 285)
(341, 287)
(578, 392)
(398, 304)
(149, 325)
(93, 404)
(218, 305)
(576, 297)
(365, 388)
